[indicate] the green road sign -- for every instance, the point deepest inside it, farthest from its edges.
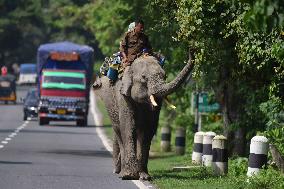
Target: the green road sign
(209, 108)
(203, 105)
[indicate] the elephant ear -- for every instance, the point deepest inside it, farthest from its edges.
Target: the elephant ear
(126, 83)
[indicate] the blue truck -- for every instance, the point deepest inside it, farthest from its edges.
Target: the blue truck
(64, 73)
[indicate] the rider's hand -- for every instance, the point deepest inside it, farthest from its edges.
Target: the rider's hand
(125, 60)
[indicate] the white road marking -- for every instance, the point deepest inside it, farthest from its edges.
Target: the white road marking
(104, 139)
(13, 134)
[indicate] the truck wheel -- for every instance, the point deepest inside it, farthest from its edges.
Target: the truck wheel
(82, 122)
(43, 121)
(25, 117)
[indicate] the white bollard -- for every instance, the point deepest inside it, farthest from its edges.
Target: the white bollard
(180, 141)
(258, 154)
(220, 155)
(197, 148)
(207, 149)
(166, 139)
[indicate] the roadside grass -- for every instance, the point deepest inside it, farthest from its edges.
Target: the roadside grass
(164, 177)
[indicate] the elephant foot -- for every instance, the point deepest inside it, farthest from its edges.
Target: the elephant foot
(116, 170)
(129, 176)
(144, 176)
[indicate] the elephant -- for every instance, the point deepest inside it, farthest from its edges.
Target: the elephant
(135, 117)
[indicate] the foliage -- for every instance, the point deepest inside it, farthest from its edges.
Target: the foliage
(238, 166)
(274, 112)
(239, 61)
(273, 109)
(266, 179)
(20, 32)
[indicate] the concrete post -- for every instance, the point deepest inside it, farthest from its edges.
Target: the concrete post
(180, 141)
(197, 148)
(220, 155)
(166, 139)
(207, 149)
(258, 154)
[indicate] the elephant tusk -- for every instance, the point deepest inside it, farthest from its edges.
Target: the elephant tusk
(152, 99)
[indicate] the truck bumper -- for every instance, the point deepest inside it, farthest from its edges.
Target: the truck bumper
(61, 117)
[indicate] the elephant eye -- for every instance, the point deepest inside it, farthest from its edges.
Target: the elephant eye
(143, 78)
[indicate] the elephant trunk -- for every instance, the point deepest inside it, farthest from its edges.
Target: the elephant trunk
(168, 88)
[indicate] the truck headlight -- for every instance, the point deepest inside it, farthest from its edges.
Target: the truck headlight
(32, 108)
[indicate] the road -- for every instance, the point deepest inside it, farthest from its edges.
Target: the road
(56, 156)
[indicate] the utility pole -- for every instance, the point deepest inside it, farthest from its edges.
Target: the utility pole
(196, 120)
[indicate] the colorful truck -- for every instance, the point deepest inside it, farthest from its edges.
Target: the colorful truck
(64, 71)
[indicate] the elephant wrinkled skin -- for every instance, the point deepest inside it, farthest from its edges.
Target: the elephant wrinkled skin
(135, 117)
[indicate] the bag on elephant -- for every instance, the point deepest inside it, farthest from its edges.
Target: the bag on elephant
(111, 66)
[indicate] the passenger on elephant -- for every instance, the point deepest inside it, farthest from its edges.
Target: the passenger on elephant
(133, 43)
(131, 47)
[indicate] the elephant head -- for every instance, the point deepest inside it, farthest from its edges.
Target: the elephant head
(148, 80)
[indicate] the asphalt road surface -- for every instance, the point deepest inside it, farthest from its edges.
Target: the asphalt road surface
(56, 156)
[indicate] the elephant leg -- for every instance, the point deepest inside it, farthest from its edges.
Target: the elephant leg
(149, 129)
(139, 147)
(116, 154)
(142, 155)
(129, 169)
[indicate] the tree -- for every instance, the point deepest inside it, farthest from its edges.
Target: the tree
(230, 58)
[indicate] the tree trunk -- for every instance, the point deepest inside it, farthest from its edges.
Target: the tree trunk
(277, 157)
(230, 103)
(239, 143)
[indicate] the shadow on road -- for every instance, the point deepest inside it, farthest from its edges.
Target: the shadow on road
(92, 153)
(67, 125)
(55, 132)
(15, 162)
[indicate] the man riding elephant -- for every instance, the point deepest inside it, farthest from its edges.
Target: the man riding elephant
(131, 47)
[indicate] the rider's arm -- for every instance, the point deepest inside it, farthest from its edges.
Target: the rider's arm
(123, 46)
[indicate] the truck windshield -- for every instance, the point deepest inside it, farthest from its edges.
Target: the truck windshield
(64, 80)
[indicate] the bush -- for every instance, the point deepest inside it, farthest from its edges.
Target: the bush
(238, 166)
(266, 179)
